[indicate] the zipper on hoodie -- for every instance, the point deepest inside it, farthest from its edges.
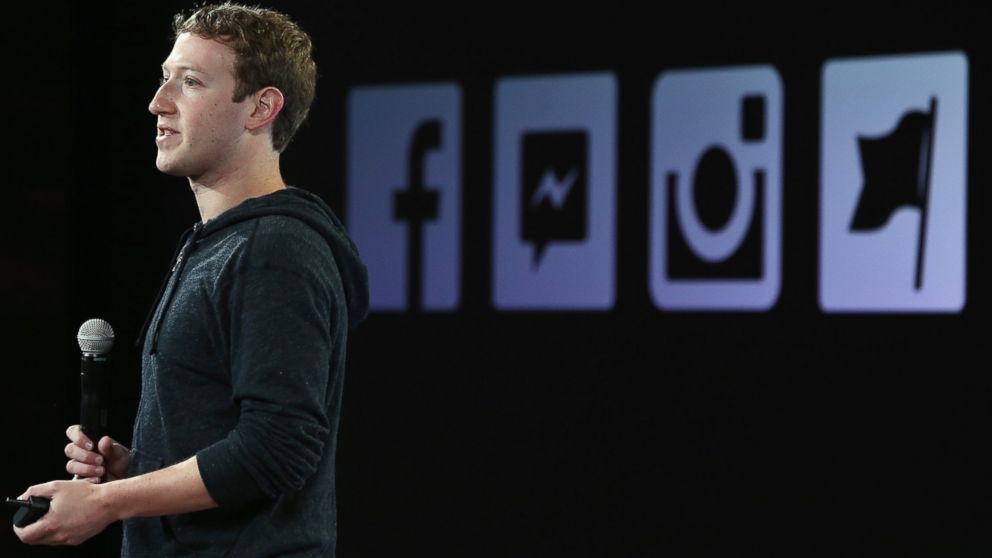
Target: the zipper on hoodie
(166, 291)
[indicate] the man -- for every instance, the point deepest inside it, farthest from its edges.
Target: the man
(243, 356)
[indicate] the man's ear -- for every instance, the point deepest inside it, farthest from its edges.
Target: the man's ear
(267, 105)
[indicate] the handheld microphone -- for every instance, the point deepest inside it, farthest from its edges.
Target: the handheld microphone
(95, 338)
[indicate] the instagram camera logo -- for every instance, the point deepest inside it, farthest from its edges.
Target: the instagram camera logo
(716, 191)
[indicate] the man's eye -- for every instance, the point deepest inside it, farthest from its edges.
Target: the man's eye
(162, 80)
(190, 82)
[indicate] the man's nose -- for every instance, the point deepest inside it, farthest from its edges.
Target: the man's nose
(161, 103)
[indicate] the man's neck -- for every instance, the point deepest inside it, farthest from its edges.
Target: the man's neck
(216, 194)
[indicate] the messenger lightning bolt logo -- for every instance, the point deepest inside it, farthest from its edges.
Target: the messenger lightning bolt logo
(553, 190)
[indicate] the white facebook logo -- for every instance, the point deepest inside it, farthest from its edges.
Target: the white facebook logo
(404, 193)
(893, 184)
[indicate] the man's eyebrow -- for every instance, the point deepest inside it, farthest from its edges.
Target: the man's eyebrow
(183, 67)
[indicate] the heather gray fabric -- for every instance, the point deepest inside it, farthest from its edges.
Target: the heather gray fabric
(242, 366)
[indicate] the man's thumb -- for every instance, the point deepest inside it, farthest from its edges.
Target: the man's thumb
(111, 450)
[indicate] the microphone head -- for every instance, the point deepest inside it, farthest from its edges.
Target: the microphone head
(95, 337)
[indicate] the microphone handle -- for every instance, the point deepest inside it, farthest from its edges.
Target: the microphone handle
(92, 413)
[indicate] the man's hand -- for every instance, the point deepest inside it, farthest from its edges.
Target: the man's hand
(86, 464)
(76, 513)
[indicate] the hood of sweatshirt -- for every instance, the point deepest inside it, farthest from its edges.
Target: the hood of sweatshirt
(311, 210)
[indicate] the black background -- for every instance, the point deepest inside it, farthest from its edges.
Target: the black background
(632, 432)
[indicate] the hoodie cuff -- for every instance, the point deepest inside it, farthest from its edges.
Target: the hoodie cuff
(226, 478)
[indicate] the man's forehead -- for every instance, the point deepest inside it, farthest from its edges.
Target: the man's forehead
(191, 52)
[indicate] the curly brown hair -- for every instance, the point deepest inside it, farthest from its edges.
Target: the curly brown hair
(271, 51)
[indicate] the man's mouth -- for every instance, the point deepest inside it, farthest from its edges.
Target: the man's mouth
(164, 133)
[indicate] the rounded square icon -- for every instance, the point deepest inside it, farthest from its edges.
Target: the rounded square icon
(716, 189)
(404, 193)
(554, 188)
(893, 184)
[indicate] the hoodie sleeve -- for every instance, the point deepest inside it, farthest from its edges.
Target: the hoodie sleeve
(281, 304)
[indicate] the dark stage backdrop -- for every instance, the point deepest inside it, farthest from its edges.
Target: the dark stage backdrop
(624, 431)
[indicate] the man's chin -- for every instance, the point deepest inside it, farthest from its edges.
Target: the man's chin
(168, 167)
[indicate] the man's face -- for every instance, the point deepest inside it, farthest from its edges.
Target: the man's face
(200, 129)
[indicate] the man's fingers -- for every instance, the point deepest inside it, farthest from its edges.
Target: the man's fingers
(46, 490)
(28, 534)
(84, 471)
(72, 451)
(34, 533)
(75, 433)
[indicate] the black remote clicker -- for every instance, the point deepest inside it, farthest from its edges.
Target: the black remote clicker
(29, 510)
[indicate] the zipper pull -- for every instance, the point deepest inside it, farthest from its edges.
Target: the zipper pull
(182, 251)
